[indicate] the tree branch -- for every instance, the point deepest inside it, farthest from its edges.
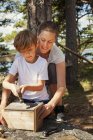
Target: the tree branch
(79, 56)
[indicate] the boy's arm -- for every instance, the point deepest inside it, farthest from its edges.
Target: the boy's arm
(5, 94)
(9, 83)
(6, 90)
(39, 86)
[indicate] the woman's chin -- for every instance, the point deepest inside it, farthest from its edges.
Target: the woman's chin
(44, 51)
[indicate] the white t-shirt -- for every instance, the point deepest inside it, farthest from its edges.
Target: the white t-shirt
(30, 73)
(56, 55)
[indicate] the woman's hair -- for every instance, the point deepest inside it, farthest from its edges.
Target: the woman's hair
(24, 39)
(48, 26)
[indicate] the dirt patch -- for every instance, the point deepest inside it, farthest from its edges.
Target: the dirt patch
(79, 109)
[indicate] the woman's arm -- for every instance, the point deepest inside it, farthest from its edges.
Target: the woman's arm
(61, 85)
(9, 79)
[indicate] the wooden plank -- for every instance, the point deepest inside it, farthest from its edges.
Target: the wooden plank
(38, 121)
(22, 106)
(19, 120)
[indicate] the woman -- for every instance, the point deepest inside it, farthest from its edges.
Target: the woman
(47, 35)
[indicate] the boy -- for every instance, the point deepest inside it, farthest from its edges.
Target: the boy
(31, 70)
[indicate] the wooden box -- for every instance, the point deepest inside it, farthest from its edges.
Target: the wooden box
(23, 116)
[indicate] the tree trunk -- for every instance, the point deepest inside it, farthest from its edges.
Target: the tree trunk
(91, 4)
(43, 11)
(71, 39)
(38, 12)
(31, 8)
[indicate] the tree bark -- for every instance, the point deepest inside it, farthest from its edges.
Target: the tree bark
(91, 4)
(71, 38)
(31, 8)
(38, 12)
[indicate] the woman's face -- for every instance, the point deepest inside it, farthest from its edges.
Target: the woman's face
(45, 41)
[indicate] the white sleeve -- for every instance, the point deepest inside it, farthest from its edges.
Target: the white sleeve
(43, 75)
(56, 55)
(14, 68)
(17, 55)
(59, 56)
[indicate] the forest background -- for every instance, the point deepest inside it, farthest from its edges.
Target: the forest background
(73, 39)
(73, 36)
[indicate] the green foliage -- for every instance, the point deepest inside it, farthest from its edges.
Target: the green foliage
(21, 23)
(3, 48)
(22, 8)
(86, 72)
(9, 37)
(58, 16)
(58, 10)
(1, 38)
(3, 68)
(1, 34)
(7, 6)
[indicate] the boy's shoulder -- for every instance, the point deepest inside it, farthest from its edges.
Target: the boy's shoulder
(41, 59)
(18, 56)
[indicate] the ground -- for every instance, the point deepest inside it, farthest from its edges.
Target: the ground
(78, 114)
(79, 109)
(79, 102)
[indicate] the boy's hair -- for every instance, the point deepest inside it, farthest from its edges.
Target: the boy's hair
(24, 39)
(48, 26)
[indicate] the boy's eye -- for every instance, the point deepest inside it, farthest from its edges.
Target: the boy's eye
(43, 40)
(50, 42)
(29, 50)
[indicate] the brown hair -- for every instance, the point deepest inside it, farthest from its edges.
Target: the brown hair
(24, 39)
(48, 26)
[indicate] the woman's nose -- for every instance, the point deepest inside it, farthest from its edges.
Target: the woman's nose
(45, 44)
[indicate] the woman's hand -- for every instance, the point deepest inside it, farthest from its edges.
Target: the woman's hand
(45, 110)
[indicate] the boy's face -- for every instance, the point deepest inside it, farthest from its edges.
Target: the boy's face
(29, 53)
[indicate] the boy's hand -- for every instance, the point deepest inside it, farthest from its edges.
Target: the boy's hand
(15, 89)
(23, 88)
(2, 121)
